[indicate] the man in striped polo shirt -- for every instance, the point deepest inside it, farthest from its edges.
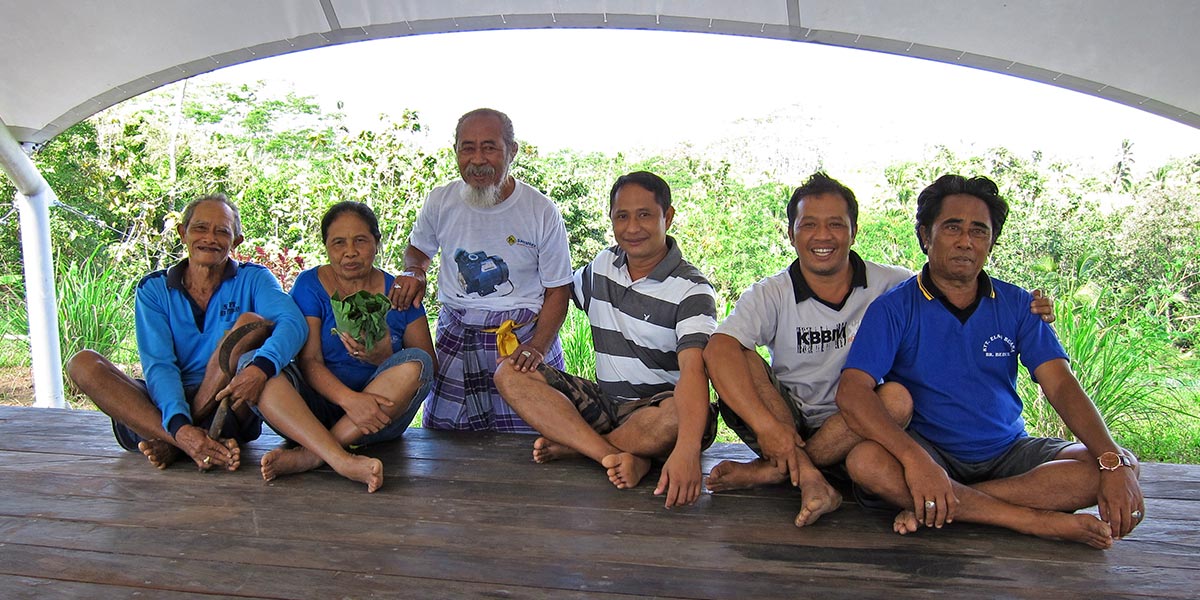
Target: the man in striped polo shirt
(651, 314)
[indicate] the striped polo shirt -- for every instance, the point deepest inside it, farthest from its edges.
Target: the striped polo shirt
(639, 327)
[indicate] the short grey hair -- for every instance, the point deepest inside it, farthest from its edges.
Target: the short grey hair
(190, 210)
(506, 126)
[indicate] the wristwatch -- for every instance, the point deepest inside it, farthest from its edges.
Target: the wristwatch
(1111, 461)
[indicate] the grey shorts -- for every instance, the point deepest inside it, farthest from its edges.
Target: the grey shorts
(604, 413)
(1021, 457)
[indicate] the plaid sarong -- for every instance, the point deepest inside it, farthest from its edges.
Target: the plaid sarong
(464, 396)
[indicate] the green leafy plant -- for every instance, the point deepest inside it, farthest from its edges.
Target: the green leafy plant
(576, 338)
(1128, 376)
(361, 315)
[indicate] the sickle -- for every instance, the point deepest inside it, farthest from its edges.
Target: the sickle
(223, 355)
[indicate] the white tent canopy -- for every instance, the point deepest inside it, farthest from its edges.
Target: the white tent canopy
(62, 61)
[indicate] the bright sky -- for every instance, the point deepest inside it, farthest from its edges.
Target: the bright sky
(613, 91)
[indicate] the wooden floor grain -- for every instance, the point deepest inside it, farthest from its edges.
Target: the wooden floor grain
(469, 515)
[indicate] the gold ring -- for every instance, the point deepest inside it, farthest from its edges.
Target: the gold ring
(207, 459)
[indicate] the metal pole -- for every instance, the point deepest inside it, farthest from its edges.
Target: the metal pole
(33, 200)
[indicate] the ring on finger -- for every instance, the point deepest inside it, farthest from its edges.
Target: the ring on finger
(207, 459)
(930, 505)
(1137, 515)
(526, 354)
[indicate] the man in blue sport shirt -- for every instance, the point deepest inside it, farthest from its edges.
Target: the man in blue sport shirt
(953, 336)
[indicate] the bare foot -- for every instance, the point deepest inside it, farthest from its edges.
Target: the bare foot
(160, 453)
(236, 451)
(363, 469)
(817, 497)
(285, 461)
(545, 451)
(906, 522)
(729, 475)
(625, 470)
(1082, 528)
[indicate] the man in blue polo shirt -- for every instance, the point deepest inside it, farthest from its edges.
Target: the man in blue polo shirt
(182, 316)
(952, 336)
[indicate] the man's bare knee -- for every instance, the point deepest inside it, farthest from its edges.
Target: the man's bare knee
(82, 364)
(897, 401)
(87, 366)
(864, 460)
(510, 382)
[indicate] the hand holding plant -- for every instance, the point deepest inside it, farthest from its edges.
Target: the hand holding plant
(362, 316)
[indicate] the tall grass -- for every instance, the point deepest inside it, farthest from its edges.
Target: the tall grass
(1134, 381)
(95, 310)
(576, 337)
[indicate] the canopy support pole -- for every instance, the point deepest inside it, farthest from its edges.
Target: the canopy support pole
(33, 200)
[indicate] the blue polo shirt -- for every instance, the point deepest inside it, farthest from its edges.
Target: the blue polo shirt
(176, 337)
(960, 365)
(315, 302)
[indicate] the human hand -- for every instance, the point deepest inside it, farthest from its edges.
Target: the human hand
(1042, 306)
(245, 388)
(365, 411)
(525, 358)
(381, 351)
(1120, 497)
(782, 445)
(680, 479)
(933, 497)
(408, 289)
(205, 451)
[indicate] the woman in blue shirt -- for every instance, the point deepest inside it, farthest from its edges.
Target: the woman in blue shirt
(347, 394)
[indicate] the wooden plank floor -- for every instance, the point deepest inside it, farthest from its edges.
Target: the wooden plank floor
(469, 515)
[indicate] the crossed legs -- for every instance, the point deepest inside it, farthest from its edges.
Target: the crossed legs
(827, 447)
(286, 410)
(1039, 502)
(127, 401)
(625, 452)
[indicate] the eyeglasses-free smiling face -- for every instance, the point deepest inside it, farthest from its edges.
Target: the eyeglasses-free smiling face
(639, 224)
(822, 234)
(483, 157)
(209, 235)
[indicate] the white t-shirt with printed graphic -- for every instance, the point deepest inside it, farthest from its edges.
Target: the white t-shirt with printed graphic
(496, 259)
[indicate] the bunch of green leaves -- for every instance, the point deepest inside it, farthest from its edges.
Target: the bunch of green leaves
(362, 316)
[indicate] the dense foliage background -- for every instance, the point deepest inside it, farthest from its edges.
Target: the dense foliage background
(1118, 251)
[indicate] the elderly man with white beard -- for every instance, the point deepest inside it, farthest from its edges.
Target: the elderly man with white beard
(505, 260)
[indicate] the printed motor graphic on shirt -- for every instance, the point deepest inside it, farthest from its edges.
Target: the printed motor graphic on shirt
(480, 273)
(811, 340)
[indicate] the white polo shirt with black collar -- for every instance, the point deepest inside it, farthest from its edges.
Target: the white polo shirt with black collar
(807, 337)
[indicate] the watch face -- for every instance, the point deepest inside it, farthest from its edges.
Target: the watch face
(1110, 460)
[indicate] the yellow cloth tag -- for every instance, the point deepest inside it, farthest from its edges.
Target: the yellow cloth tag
(506, 340)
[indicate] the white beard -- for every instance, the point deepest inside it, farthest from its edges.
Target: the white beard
(484, 197)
